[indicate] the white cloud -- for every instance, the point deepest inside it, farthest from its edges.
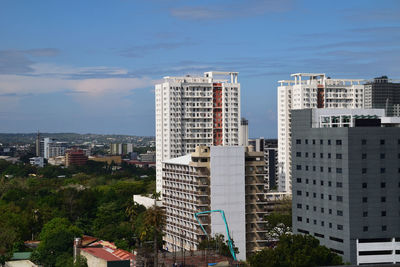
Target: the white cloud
(91, 81)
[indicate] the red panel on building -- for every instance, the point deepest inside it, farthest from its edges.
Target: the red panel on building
(217, 114)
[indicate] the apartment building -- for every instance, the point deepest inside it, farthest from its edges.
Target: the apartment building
(309, 90)
(346, 189)
(229, 178)
(270, 149)
(192, 111)
(383, 93)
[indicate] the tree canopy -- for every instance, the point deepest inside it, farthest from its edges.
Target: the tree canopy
(295, 251)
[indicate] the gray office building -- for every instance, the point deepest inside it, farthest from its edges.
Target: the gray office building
(383, 93)
(346, 182)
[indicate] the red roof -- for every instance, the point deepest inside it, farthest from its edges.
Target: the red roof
(107, 251)
(101, 253)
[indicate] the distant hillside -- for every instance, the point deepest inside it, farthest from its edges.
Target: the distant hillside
(26, 138)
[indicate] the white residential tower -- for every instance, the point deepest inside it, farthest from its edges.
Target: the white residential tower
(194, 110)
(309, 90)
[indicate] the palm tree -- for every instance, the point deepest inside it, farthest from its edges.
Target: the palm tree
(154, 220)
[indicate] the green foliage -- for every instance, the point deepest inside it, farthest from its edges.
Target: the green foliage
(295, 251)
(57, 238)
(94, 199)
(218, 244)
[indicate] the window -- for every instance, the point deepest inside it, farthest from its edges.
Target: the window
(313, 141)
(314, 195)
(383, 213)
(339, 198)
(322, 182)
(365, 213)
(329, 183)
(298, 154)
(363, 142)
(306, 167)
(339, 184)
(329, 169)
(299, 219)
(329, 155)
(383, 185)
(298, 167)
(330, 225)
(330, 197)
(364, 199)
(313, 155)
(339, 213)
(338, 142)
(307, 194)
(298, 180)
(321, 155)
(383, 199)
(306, 154)
(306, 141)
(322, 210)
(330, 211)
(329, 142)
(322, 196)
(338, 170)
(307, 207)
(364, 185)
(382, 155)
(338, 156)
(299, 206)
(298, 141)
(314, 182)
(340, 227)
(322, 223)
(383, 170)
(364, 170)
(298, 192)
(314, 208)
(321, 169)
(384, 227)
(365, 228)
(315, 221)
(306, 181)
(382, 141)
(363, 156)
(314, 168)
(307, 220)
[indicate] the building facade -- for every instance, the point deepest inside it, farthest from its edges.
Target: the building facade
(192, 111)
(270, 149)
(53, 148)
(309, 90)
(244, 132)
(383, 93)
(216, 178)
(346, 190)
(75, 157)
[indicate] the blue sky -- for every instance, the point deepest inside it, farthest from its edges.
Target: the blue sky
(90, 66)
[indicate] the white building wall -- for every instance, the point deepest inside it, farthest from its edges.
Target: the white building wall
(227, 185)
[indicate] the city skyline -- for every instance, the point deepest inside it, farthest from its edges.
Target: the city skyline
(91, 67)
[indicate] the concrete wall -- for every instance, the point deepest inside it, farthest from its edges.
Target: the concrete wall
(93, 261)
(228, 193)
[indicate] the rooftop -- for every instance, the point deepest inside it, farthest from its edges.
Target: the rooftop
(183, 160)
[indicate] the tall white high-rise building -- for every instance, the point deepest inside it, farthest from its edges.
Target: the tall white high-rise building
(194, 110)
(309, 90)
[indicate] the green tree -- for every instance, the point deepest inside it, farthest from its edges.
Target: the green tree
(154, 222)
(57, 238)
(295, 251)
(219, 244)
